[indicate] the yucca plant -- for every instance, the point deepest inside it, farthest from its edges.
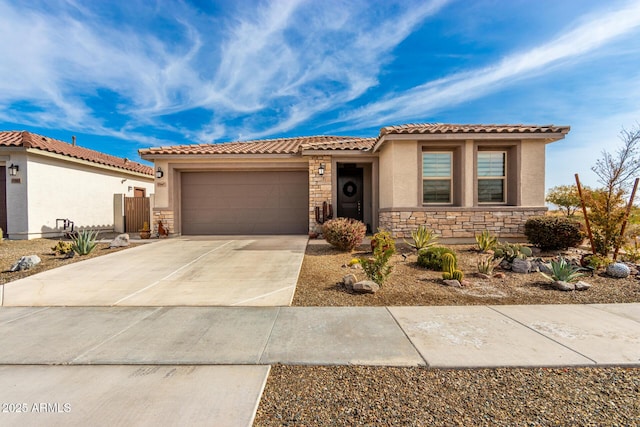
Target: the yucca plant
(486, 241)
(422, 238)
(563, 271)
(84, 242)
(487, 264)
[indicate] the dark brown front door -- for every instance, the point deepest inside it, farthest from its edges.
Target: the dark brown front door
(350, 192)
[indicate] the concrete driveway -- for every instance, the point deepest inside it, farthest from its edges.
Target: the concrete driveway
(186, 271)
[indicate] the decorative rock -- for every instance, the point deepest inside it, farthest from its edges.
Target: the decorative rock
(453, 283)
(522, 266)
(349, 280)
(25, 263)
(582, 286)
(120, 241)
(542, 266)
(483, 276)
(564, 286)
(618, 270)
(466, 283)
(499, 276)
(366, 287)
(356, 267)
(505, 265)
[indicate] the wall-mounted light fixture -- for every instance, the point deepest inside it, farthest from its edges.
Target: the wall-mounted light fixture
(321, 169)
(159, 173)
(13, 169)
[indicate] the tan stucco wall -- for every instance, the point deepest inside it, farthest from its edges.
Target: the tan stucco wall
(532, 173)
(52, 188)
(399, 170)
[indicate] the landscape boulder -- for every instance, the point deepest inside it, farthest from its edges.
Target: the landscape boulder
(618, 270)
(349, 280)
(366, 287)
(453, 283)
(25, 263)
(582, 286)
(522, 266)
(564, 286)
(120, 241)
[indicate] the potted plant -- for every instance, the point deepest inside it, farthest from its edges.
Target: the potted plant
(145, 231)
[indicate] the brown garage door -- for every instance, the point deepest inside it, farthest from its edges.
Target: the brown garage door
(271, 202)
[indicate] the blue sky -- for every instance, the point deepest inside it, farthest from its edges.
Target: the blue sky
(124, 75)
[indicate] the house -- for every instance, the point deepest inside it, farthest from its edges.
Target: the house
(44, 181)
(456, 179)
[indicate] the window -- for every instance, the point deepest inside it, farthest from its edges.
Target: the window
(436, 177)
(492, 176)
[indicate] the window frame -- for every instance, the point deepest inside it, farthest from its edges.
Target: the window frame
(503, 178)
(451, 154)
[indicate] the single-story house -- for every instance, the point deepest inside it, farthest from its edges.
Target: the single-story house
(44, 181)
(456, 179)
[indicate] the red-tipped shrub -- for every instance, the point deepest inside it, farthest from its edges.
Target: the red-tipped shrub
(344, 233)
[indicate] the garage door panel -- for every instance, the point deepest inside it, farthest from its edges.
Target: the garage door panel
(245, 202)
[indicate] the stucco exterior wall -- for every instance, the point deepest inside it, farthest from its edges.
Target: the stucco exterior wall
(399, 169)
(532, 173)
(53, 188)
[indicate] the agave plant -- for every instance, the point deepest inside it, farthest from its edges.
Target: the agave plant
(85, 242)
(486, 241)
(563, 271)
(487, 264)
(422, 238)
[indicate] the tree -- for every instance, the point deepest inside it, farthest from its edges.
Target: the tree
(565, 197)
(616, 172)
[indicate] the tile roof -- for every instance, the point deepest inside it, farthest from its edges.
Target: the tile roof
(443, 128)
(268, 146)
(31, 140)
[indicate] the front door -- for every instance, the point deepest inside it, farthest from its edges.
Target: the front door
(350, 192)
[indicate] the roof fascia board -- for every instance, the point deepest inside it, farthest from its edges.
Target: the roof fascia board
(70, 159)
(515, 136)
(152, 156)
(336, 152)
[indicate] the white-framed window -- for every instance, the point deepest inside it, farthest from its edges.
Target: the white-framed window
(437, 177)
(492, 176)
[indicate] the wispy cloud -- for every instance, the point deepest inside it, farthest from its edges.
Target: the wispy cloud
(574, 45)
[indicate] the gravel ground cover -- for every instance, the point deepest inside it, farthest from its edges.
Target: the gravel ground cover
(375, 396)
(12, 250)
(410, 284)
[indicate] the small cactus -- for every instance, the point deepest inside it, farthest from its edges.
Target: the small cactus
(457, 275)
(448, 263)
(447, 276)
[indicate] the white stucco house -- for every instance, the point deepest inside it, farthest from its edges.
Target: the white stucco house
(44, 180)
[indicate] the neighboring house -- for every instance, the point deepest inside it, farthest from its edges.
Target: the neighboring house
(456, 179)
(43, 180)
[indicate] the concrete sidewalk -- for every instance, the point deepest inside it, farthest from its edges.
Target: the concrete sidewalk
(438, 337)
(107, 366)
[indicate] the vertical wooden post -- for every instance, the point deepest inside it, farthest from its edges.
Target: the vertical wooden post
(626, 218)
(584, 212)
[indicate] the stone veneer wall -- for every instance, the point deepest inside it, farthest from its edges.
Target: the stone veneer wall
(166, 216)
(460, 223)
(319, 188)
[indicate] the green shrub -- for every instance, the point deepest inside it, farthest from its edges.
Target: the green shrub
(486, 241)
(422, 238)
(377, 268)
(382, 239)
(345, 234)
(553, 232)
(431, 258)
(62, 248)
(563, 271)
(84, 242)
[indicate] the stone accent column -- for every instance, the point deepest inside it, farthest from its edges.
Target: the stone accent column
(319, 188)
(166, 216)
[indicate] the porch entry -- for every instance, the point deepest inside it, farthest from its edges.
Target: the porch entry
(350, 192)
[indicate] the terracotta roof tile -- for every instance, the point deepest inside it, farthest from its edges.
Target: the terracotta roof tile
(267, 146)
(442, 128)
(31, 140)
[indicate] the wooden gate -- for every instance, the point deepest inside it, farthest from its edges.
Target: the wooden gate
(136, 212)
